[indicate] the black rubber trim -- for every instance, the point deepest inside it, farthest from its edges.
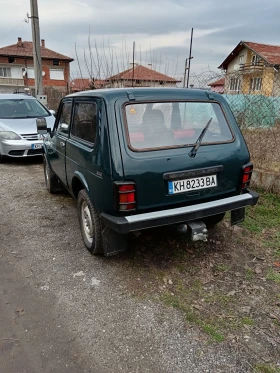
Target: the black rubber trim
(192, 173)
(121, 225)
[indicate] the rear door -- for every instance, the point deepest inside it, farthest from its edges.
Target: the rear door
(156, 140)
(59, 139)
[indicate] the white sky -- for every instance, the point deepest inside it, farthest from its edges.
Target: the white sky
(160, 29)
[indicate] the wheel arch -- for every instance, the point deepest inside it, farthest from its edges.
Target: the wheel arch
(78, 183)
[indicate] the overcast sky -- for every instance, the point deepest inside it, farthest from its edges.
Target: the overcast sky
(160, 29)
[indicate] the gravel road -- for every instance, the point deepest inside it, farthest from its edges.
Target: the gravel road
(63, 310)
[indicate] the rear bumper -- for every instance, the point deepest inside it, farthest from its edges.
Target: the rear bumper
(130, 223)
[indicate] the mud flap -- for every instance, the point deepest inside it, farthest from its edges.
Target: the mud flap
(113, 242)
(237, 216)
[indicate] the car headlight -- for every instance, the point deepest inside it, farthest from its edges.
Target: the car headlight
(9, 135)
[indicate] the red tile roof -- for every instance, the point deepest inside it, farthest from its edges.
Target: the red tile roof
(25, 49)
(219, 82)
(143, 73)
(271, 53)
(82, 84)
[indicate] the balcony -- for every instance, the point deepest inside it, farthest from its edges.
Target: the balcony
(253, 67)
(12, 82)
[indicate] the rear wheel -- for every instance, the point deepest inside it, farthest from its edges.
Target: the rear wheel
(52, 182)
(90, 224)
(213, 220)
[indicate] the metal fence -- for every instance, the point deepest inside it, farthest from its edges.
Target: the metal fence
(254, 98)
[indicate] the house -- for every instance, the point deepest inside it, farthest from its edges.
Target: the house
(143, 77)
(217, 86)
(17, 70)
(253, 68)
(83, 84)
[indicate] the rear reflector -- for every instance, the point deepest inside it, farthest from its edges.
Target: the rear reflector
(125, 197)
(246, 175)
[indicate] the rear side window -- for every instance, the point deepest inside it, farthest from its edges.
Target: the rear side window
(85, 121)
(174, 124)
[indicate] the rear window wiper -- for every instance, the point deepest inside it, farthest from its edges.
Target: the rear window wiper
(194, 150)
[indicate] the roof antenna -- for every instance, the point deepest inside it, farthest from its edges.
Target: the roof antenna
(133, 56)
(188, 64)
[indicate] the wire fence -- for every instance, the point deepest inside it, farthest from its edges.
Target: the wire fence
(253, 93)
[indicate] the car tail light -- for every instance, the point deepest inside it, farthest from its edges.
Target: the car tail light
(125, 196)
(247, 171)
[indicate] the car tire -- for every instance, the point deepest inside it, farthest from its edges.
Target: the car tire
(213, 220)
(53, 184)
(90, 224)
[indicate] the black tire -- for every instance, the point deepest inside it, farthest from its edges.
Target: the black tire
(90, 224)
(53, 184)
(213, 220)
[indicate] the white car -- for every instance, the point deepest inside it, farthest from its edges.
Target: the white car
(19, 116)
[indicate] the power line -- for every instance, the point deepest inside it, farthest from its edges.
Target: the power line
(12, 30)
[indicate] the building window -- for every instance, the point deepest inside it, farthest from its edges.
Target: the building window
(241, 59)
(56, 74)
(255, 60)
(5, 72)
(11, 60)
(30, 73)
(55, 62)
(255, 84)
(235, 84)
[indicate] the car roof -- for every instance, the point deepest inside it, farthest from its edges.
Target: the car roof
(111, 94)
(13, 96)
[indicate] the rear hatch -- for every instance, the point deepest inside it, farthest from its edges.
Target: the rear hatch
(172, 162)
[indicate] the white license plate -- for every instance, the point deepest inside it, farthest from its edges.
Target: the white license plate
(36, 146)
(196, 183)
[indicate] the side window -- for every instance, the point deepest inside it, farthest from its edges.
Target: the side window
(85, 121)
(65, 117)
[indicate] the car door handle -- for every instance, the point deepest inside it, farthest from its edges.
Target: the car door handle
(62, 144)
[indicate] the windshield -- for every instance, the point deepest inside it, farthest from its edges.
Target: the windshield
(174, 124)
(22, 108)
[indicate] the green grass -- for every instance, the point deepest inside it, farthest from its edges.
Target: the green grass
(273, 276)
(247, 321)
(262, 368)
(265, 215)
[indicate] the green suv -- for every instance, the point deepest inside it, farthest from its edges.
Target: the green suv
(147, 157)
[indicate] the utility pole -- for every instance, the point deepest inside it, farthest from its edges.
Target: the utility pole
(37, 59)
(188, 64)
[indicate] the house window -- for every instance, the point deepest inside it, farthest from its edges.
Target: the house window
(255, 84)
(55, 62)
(235, 84)
(241, 59)
(11, 60)
(30, 73)
(5, 72)
(255, 60)
(56, 74)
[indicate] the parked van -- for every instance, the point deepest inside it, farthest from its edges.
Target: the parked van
(147, 157)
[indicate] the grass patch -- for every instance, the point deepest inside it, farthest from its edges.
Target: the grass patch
(247, 321)
(262, 368)
(273, 276)
(265, 215)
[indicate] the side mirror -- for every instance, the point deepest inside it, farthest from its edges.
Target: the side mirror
(53, 112)
(41, 126)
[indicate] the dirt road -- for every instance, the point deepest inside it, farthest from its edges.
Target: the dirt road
(63, 310)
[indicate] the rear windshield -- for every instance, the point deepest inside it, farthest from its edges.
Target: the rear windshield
(174, 124)
(22, 108)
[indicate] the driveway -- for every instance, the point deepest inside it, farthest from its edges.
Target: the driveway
(63, 310)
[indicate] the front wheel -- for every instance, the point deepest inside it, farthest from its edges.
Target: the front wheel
(90, 224)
